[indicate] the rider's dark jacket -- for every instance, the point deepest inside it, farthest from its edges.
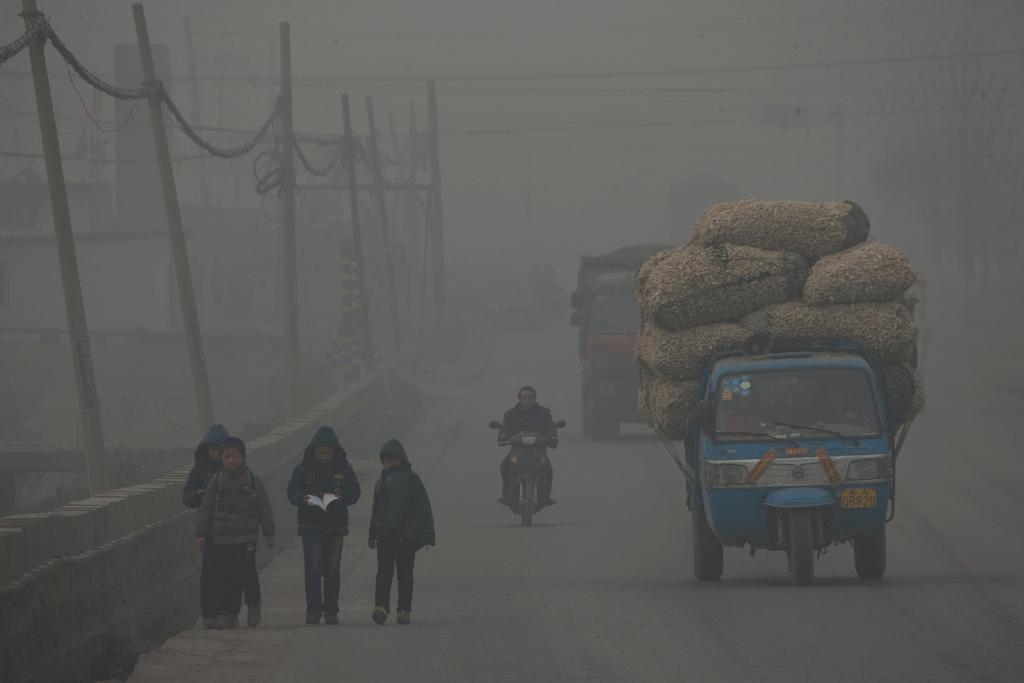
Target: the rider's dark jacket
(536, 419)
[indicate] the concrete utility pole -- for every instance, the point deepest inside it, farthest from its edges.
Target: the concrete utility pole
(179, 249)
(357, 232)
(382, 210)
(437, 212)
(291, 288)
(78, 331)
(197, 114)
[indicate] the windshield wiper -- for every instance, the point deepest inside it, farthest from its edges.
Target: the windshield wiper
(830, 432)
(773, 437)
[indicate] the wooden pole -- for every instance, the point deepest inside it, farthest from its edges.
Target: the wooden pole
(437, 213)
(179, 250)
(382, 210)
(289, 267)
(78, 331)
(357, 232)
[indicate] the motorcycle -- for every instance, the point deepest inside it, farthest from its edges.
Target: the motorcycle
(528, 457)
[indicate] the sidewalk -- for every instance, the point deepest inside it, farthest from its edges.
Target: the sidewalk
(253, 654)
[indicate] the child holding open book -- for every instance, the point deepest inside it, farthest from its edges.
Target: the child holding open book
(323, 485)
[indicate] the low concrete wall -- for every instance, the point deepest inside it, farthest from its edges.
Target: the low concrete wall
(87, 587)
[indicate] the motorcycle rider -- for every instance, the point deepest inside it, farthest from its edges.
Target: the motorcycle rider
(527, 416)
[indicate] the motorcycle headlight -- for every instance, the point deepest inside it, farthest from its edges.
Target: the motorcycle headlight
(529, 440)
(876, 468)
(727, 474)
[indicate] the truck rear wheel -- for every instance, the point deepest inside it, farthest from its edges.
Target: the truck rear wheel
(708, 560)
(869, 554)
(801, 547)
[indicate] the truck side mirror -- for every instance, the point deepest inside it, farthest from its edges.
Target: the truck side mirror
(575, 319)
(576, 301)
(897, 409)
(494, 424)
(559, 424)
(706, 416)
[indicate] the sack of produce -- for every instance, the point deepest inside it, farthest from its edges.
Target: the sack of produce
(692, 286)
(901, 382)
(867, 273)
(809, 229)
(667, 405)
(885, 330)
(681, 355)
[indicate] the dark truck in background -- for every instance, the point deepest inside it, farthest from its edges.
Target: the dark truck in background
(608, 317)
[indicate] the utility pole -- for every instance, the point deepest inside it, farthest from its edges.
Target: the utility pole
(382, 210)
(179, 249)
(349, 142)
(403, 201)
(78, 331)
(437, 212)
(291, 289)
(197, 114)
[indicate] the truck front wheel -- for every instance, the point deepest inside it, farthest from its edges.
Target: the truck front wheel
(869, 554)
(708, 562)
(801, 547)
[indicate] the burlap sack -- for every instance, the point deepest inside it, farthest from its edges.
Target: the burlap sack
(866, 273)
(681, 355)
(692, 286)
(899, 380)
(886, 330)
(667, 405)
(811, 230)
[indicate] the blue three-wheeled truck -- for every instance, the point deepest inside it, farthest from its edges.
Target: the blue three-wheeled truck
(793, 447)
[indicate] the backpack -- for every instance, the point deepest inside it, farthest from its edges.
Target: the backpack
(216, 488)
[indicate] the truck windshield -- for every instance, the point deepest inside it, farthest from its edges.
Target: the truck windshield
(614, 310)
(807, 403)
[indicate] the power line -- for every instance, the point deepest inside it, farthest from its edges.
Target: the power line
(232, 30)
(335, 81)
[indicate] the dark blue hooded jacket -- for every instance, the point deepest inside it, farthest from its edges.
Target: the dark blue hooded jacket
(311, 478)
(204, 468)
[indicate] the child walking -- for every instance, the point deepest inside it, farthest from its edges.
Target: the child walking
(324, 470)
(402, 523)
(235, 508)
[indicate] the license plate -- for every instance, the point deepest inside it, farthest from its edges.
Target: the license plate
(858, 498)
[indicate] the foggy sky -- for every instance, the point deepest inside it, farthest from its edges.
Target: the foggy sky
(803, 132)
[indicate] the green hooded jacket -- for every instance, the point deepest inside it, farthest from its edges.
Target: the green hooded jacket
(401, 507)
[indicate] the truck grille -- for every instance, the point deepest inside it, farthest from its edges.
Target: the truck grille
(797, 474)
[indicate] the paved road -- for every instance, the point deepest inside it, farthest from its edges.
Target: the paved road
(601, 589)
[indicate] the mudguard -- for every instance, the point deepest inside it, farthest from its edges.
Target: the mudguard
(800, 497)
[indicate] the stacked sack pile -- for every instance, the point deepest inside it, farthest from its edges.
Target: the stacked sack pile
(791, 269)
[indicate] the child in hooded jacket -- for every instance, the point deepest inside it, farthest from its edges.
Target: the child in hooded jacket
(402, 522)
(207, 464)
(324, 470)
(234, 510)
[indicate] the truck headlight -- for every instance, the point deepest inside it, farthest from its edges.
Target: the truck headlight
(726, 474)
(875, 468)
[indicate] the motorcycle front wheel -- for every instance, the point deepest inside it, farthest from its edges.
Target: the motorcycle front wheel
(527, 501)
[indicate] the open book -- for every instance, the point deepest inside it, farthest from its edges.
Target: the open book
(322, 503)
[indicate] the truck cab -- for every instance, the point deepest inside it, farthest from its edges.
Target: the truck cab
(608, 317)
(792, 449)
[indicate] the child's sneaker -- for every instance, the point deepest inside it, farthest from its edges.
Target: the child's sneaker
(380, 615)
(331, 618)
(254, 615)
(403, 617)
(312, 618)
